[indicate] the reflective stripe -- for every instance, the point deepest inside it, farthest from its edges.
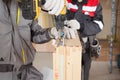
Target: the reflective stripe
(18, 16)
(99, 23)
(70, 5)
(89, 8)
(23, 56)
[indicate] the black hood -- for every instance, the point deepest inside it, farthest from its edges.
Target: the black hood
(74, 1)
(84, 1)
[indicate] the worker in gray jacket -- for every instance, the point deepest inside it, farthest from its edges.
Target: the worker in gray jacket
(17, 32)
(89, 15)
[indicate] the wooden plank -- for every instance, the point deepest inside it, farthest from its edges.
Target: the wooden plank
(45, 47)
(67, 58)
(48, 47)
(69, 67)
(76, 60)
(71, 42)
(67, 63)
(59, 64)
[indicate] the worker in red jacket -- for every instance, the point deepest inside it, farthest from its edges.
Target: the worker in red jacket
(88, 13)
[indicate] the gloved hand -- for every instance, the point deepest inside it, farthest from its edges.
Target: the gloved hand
(54, 33)
(73, 24)
(69, 29)
(69, 33)
(53, 6)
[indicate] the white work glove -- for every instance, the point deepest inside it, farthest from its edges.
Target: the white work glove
(53, 7)
(69, 33)
(54, 33)
(74, 24)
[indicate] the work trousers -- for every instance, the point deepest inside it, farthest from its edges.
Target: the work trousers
(86, 64)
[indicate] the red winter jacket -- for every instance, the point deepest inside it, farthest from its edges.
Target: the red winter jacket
(90, 7)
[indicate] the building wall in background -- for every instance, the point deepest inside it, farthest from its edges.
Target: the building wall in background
(118, 20)
(106, 4)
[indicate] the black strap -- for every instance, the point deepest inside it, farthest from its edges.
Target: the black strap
(6, 67)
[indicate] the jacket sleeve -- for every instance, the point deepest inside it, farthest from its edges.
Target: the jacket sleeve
(91, 25)
(38, 34)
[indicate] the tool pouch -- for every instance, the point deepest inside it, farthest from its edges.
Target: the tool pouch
(95, 48)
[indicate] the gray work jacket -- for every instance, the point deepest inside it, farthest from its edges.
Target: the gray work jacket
(16, 39)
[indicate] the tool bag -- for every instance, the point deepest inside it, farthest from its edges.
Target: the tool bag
(30, 9)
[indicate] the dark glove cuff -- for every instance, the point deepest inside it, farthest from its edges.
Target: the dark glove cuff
(81, 27)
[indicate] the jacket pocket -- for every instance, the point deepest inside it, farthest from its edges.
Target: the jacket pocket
(5, 47)
(6, 75)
